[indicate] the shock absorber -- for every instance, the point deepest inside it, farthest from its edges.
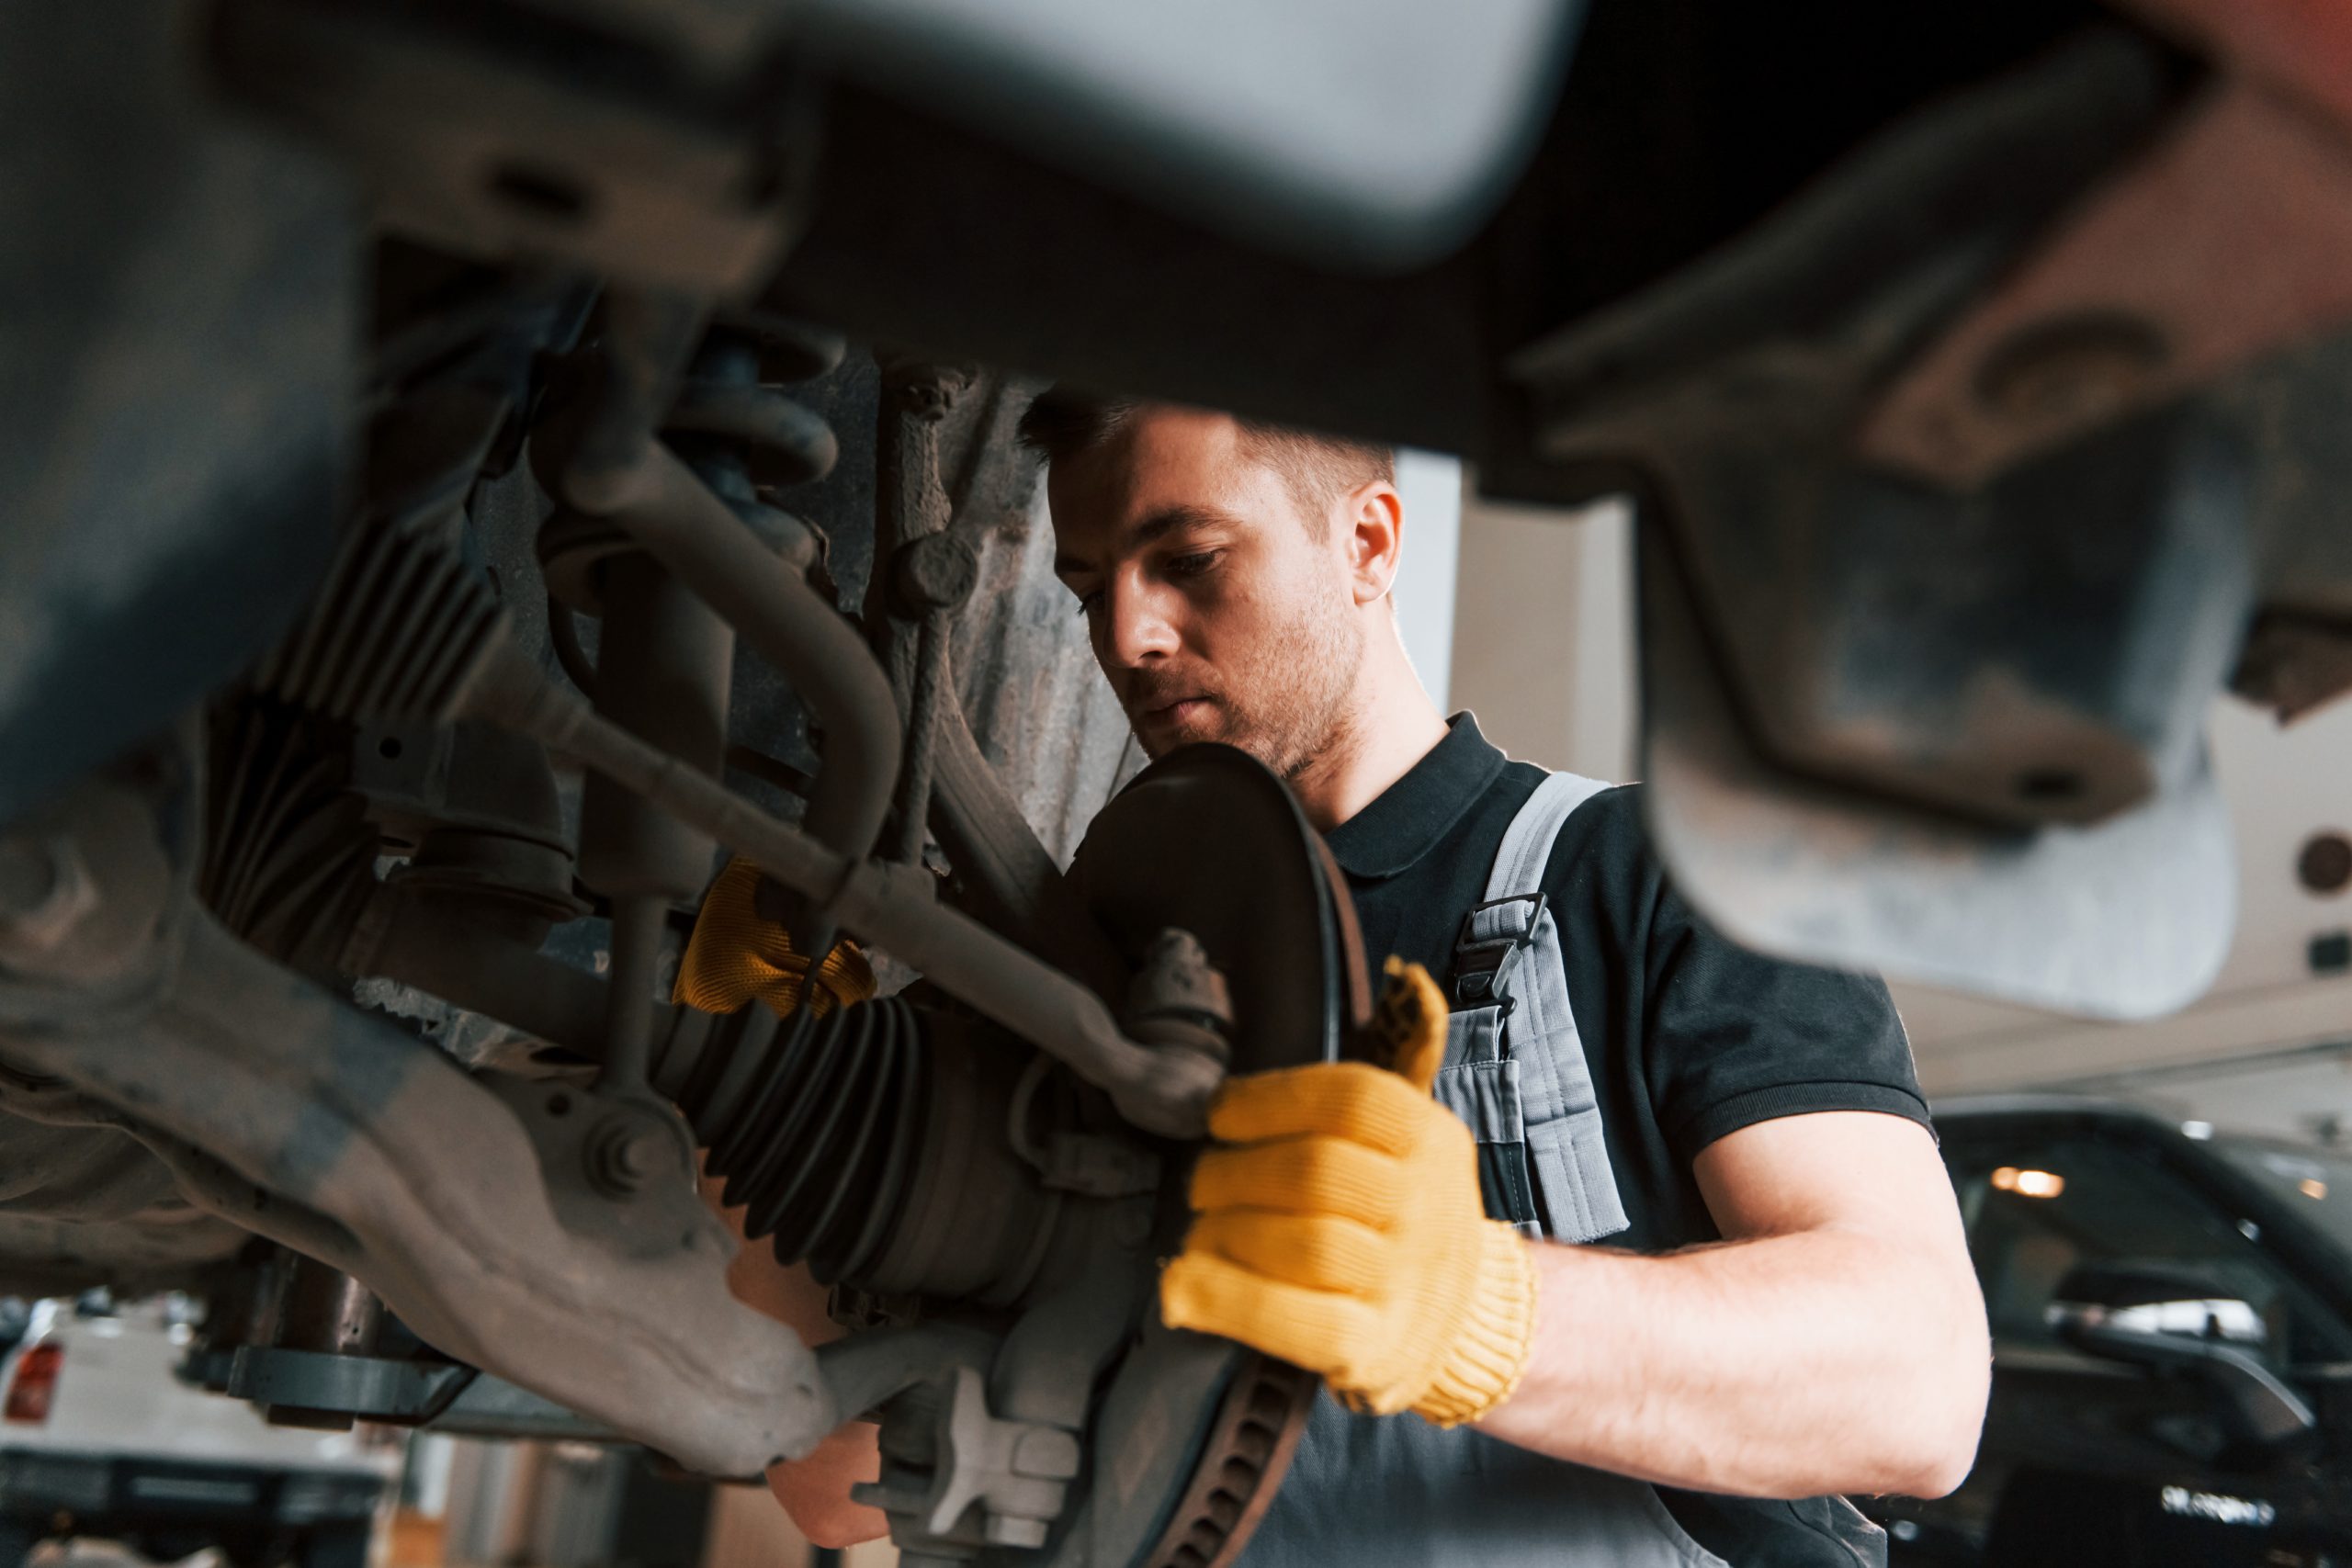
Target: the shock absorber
(747, 438)
(665, 659)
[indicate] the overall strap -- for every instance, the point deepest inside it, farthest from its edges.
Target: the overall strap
(1527, 843)
(1514, 1026)
(1498, 929)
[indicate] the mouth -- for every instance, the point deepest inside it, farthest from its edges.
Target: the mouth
(1173, 712)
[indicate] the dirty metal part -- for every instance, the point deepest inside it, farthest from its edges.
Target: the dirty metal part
(1251, 1440)
(666, 662)
(2126, 919)
(240, 1309)
(2039, 652)
(321, 1318)
(743, 437)
(325, 1309)
(1179, 1000)
(575, 1131)
(396, 632)
(2001, 692)
(866, 1371)
(183, 296)
(484, 965)
(2115, 577)
(951, 484)
(974, 1461)
(82, 1207)
(1010, 878)
(327, 1391)
(605, 465)
(926, 570)
(473, 780)
(251, 1348)
(1164, 1093)
(733, 421)
(45, 892)
(332, 1132)
(972, 1480)
(1125, 296)
(486, 131)
(1154, 1451)
(982, 1443)
(289, 852)
(493, 1407)
(1902, 228)
(526, 882)
(629, 1150)
(1207, 842)
(2120, 309)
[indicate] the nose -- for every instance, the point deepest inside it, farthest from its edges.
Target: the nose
(1136, 624)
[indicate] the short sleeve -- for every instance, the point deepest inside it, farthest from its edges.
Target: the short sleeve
(1736, 1038)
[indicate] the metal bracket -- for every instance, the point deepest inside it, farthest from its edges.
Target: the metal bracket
(991, 1483)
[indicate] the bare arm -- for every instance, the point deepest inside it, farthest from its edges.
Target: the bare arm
(815, 1490)
(1834, 1342)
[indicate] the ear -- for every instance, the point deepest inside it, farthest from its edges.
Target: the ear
(1372, 516)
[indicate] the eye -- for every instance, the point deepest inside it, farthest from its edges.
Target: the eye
(1197, 563)
(1090, 603)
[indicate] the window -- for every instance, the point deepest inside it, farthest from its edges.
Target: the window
(2036, 1210)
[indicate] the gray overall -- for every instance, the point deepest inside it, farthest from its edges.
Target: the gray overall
(1369, 1492)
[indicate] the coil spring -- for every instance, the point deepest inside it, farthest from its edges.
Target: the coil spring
(815, 1125)
(737, 428)
(734, 424)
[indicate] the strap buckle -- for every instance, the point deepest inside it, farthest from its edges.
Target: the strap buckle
(1493, 935)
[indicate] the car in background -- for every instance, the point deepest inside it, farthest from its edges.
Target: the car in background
(100, 1436)
(2171, 1312)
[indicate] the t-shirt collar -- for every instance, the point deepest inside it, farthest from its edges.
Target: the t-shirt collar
(1411, 815)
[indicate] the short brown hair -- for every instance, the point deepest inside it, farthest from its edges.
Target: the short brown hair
(1063, 422)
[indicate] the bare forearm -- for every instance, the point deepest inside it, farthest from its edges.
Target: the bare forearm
(1782, 1367)
(814, 1490)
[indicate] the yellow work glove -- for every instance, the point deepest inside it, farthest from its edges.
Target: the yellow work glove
(1340, 1229)
(735, 955)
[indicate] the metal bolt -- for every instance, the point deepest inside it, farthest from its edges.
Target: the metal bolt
(937, 571)
(627, 1150)
(921, 389)
(45, 891)
(1179, 1000)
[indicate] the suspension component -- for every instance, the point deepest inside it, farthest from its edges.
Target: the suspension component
(867, 1144)
(289, 854)
(735, 436)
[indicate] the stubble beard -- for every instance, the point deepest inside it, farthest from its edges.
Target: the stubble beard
(1289, 704)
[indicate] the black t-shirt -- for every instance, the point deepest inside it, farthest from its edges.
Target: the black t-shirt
(1688, 1036)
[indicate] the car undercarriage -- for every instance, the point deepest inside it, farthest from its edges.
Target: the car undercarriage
(477, 469)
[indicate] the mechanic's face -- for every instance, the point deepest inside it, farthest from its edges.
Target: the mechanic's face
(1214, 606)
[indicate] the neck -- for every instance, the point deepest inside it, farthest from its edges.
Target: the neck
(1390, 725)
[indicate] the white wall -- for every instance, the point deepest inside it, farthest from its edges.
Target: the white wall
(1543, 633)
(1430, 484)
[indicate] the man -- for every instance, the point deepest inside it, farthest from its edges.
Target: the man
(1775, 1299)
